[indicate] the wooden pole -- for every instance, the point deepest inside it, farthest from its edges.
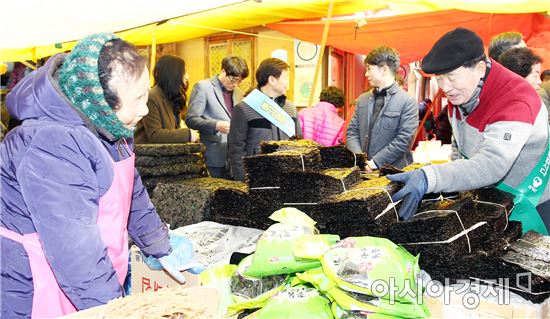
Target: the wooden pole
(321, 53)
(153, 55)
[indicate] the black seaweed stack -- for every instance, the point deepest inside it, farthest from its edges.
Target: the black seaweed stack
(267, 147)
(479, 267)
(358, 211)
(341, 156)
(474, 221)
(165, 163)
(267, 169)
(480, 255)
(195, 200)
(312, 187)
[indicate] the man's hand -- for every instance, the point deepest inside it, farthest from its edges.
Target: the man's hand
(415, 187)
(222, 127)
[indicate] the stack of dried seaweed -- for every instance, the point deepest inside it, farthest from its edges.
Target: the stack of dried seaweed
(531, 252)
(165, 163)
(312, 187)
(341, 156)
(452, 228)
(438, 234)
(267, 147)
(479, 267)
(195, 200)
(358, 211)
(267, 169)
(263, 202)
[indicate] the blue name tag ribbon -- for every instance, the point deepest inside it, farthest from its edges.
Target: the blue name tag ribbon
(270, 110)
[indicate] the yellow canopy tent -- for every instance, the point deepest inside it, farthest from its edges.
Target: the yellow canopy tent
(44, 28)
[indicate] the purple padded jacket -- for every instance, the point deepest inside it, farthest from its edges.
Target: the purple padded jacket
(55, 167)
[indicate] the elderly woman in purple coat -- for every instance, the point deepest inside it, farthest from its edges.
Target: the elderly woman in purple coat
(70, 192)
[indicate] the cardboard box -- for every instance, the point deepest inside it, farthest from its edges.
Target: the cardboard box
(145, 279)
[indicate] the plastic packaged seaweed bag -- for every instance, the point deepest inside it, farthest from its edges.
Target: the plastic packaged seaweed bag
(252, 292)
(373, 266)
(340, 313)
(219, 277)
(273, 254)
(355, 301)
(297, 302)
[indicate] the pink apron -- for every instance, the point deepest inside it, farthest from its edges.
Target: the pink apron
(49, 301)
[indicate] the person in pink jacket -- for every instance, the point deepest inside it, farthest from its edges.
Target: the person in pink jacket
(321, 123)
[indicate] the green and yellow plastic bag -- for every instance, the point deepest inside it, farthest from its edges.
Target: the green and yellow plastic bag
(219, 277)
(340, 313)
(250, 292)
(297, 302)
(373, 266)
(354, 301)
(274, 254)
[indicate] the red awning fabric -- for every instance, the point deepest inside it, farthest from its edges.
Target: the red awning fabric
(413, 35)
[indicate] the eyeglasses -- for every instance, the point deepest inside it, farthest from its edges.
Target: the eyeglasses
(235, 79)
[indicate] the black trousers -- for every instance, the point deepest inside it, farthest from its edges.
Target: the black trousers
(544, 212)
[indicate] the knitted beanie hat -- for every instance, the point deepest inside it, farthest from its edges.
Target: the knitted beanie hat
(79, 80)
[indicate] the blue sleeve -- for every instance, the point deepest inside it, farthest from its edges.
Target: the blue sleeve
(59, 184)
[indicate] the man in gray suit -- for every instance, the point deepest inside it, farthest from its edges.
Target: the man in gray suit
(210, 109)
(385, 121)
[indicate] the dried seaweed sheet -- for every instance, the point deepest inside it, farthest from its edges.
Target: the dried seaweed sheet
(499, 243)
(532, 252)
(173, 169)
(150, 161)
(267, 147)
(195, 200)
(533, 245)
(161, 150)
(481, 266)
(312, 187)
(357, 212)
(466, 225)
(341, 156)
(151, 182)
(388, 169)
(266, 169)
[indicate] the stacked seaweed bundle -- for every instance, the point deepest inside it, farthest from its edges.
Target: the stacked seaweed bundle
(158, 163)
(465, 238)
(331, 156)
(266, 170)
(359, 211)
(473, 221)
(298, 173)
(191, 201)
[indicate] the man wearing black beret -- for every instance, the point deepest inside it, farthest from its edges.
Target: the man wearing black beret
(500, 133)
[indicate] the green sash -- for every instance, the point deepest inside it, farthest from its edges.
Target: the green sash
(528, 193)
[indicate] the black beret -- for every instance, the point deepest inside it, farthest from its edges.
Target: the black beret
(452, 50)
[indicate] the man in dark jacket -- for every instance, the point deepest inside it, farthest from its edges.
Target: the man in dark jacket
(249, 126)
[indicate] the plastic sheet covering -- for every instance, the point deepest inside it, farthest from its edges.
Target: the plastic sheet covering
(214, 243)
